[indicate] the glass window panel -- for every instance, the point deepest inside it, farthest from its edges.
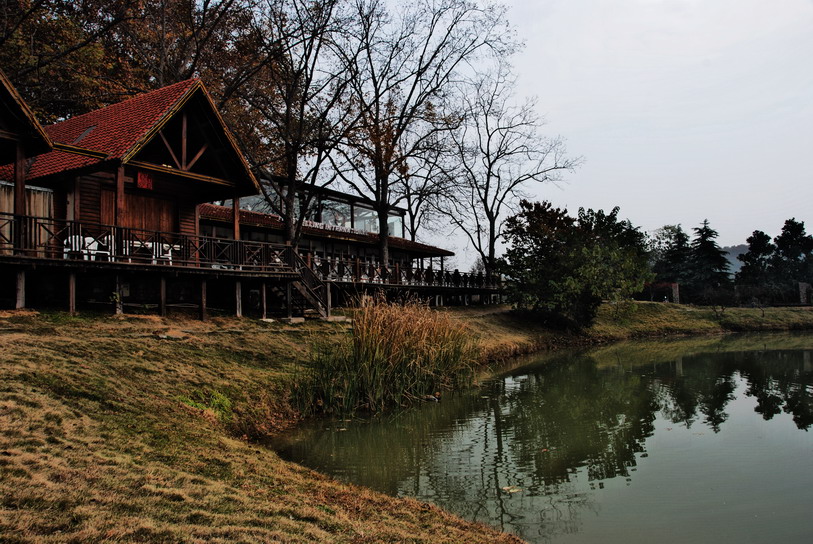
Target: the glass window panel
(336, 213)
(395, 224)
(365, 219)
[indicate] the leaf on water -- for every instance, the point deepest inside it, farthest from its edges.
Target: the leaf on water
(511, 489)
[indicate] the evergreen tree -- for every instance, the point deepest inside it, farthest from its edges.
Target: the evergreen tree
(756, 261)
(709, 280)
(793, 258)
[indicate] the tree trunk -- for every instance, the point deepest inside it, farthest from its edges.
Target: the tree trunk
(290, 216)
(492, 242)
(383, 239)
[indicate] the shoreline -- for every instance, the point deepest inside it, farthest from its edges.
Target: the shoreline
(140, 428)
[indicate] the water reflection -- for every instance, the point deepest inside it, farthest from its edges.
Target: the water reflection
(540, 450)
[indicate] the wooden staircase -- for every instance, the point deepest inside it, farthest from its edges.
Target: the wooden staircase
(309, 292)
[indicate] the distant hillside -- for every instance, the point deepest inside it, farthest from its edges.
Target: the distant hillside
(733, 251)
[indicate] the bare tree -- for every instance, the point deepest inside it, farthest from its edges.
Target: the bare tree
(498, 151)
(400, 81)
(423, 185)
(302, 102)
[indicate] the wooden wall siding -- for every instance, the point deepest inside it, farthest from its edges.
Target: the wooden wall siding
(150, 213)
(187, 218)
(90, 198)
(155, 209)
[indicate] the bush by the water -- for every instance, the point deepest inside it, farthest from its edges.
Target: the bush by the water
(396, 354)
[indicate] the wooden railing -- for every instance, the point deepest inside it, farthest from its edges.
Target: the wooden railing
(361, 271)
(41, 237)
(57, 239)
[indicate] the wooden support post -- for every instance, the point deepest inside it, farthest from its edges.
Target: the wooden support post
(72, 293)
(118, 297)
(263, 301)
(238, 298)
(183, 140)
(19, 237)
(20, 302)
(235, 216)
(19, 181)
(397, 274)
(289, 300)
(119, 216)
(162, 296)
(203, 314)
(328, 296)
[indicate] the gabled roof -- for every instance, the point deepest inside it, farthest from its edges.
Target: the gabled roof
(20, 121)
(274, 222)
(120, 131)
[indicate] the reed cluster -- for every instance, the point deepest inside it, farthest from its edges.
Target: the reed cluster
(396, 353)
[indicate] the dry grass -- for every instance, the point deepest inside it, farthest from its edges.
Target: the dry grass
(116, 429)
(395, 354)
(97, 443)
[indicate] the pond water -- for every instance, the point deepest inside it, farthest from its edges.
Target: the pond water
(699, 441)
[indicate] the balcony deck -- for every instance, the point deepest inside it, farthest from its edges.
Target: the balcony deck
(38, 243)
(78, 245)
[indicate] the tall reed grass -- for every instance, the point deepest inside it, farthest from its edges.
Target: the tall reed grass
(397, 353)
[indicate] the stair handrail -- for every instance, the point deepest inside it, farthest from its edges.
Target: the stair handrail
(310, 280)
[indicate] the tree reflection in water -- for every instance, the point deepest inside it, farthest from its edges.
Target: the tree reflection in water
(527, 452)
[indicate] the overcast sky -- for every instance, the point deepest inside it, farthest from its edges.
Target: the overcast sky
(682, 109)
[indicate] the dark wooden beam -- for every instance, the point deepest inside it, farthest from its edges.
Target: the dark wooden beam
(183, 141)
(169, 147)
(235, 216)
(196, 157)
(120, 211)
(19, 181)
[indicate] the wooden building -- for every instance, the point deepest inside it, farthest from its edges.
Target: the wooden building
(112, 208)
(126, 183)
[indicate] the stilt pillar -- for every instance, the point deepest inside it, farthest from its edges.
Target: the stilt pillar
(238, 298)
(203, 313)
(162, 296)
(20, 298)
(72, 293)
(118, 297)
(263, 300)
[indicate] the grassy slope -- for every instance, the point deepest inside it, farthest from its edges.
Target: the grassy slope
(96, 444)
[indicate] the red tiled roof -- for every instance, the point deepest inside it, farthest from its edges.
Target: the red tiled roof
(112, 131)
(274, 222)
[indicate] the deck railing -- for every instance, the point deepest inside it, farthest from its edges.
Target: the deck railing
(62, 239)
(48, 238)
(356, 270)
